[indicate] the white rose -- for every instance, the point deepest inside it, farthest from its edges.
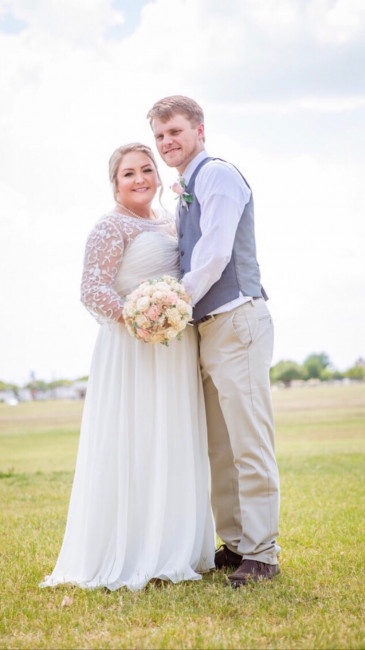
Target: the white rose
(129, 308)
(174, 317)
(143, 303)
(184, 309)
(170, 333)
(162, 286)
(142, 321)
(158, 296)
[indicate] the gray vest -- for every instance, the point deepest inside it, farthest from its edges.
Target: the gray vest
(242, 273)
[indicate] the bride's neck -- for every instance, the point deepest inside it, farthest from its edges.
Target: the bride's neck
(145, 212)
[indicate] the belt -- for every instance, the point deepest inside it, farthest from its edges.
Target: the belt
(203, 319)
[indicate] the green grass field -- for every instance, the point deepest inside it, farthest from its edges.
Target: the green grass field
(317, 602)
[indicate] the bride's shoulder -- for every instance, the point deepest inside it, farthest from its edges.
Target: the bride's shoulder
(112, 216)
(107, 229)
(111, 220)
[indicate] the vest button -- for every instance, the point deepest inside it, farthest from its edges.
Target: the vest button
(181, 235)
(182, 253)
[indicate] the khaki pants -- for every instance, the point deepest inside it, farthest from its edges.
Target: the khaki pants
(235, 354)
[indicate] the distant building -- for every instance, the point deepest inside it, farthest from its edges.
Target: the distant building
(80, 388)
(77, 390)
(8, 397)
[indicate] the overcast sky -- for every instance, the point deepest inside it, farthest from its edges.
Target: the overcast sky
(282, 84)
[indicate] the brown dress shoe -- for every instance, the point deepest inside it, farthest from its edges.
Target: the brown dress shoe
(253, 570)
(226, 558)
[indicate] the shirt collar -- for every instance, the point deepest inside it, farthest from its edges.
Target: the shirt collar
(193, 165)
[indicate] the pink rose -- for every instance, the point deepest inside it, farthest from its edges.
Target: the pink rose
(143, 334)
(153, 313)
(171, 298)
(176, 187)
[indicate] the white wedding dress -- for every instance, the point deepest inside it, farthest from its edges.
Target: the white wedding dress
(139, 506)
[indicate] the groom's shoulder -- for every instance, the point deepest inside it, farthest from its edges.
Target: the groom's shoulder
(220, 169)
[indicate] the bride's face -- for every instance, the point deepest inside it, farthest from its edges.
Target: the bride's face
(137, 180)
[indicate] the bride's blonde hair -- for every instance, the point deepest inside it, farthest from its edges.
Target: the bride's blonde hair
(117, 156)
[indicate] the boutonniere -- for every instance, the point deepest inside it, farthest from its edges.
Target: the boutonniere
(179, 188)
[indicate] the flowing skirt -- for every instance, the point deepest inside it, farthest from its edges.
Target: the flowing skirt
(139, 506)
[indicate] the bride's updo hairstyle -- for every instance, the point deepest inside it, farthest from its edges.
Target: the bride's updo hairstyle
(117, 156)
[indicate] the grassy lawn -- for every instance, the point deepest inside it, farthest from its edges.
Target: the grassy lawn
(317, 602)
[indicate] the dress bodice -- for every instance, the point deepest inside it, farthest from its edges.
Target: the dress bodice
(150, 255)
(122, 251)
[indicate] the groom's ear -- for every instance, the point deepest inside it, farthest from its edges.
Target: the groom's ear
(201, 132)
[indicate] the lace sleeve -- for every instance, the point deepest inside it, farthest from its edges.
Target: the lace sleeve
(103, 257)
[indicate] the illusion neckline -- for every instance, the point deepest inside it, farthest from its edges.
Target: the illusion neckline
(158, 218)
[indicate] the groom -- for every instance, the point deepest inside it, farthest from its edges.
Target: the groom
(220, 272)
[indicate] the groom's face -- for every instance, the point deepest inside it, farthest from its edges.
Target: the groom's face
(178, 141)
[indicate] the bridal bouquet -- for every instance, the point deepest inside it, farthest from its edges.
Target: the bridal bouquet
(158, 310)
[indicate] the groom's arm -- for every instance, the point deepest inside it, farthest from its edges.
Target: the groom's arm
(222, 194)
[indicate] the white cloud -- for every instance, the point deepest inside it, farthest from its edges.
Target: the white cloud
(277, 49)
(83, 22)
(339, 21)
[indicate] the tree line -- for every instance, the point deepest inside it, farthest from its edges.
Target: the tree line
(39, 384)
(316, 366)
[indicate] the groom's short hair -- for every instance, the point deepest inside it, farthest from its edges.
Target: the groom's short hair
(165, 108)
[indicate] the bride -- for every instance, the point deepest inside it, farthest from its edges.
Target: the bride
(139, 506)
